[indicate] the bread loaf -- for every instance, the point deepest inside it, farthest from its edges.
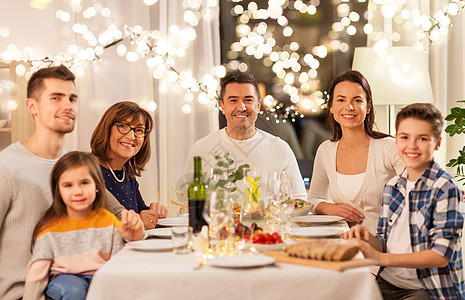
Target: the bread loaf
(332, 250)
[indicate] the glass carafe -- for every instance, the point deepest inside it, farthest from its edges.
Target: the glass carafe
(253, 208)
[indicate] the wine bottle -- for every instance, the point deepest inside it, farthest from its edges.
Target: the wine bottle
(197, 194)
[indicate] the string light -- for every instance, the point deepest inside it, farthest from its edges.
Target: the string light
(258, 41)
(279, 58)
(134, 43)
(298, 73)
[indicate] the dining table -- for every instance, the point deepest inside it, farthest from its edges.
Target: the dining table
(135, 274)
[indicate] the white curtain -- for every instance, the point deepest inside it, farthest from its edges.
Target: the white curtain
(177, 131)
(115, 79)
(447, 70)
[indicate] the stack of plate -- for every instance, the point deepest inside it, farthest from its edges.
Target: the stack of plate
(241, 261)
(174, 221)
(315, 219)
(151, 245)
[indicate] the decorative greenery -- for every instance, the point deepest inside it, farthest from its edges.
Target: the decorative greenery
(457, 115)
(225, 176)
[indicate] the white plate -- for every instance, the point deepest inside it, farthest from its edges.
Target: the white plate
(151, 245)
(315, 219)
(174, 221)
(242, 261)
(269, 247)
(316, 232)
(160, 232)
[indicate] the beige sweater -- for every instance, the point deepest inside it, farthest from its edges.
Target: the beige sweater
(24, 197)
(383, 164)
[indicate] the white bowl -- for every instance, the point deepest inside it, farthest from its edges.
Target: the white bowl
(301, 211)
(3, 123)
(269, 247)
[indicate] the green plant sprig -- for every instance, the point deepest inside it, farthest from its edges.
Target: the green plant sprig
(457, 115)
(227, 175)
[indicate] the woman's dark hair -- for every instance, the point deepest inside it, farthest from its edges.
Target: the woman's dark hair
(120, 112)
(369, 123)
(58, 210)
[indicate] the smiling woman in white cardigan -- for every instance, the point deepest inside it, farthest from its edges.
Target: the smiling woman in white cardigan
(351, 168)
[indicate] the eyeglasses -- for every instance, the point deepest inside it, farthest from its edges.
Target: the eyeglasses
(124, 128)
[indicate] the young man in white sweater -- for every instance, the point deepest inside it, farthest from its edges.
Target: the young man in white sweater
(240, 103)
(25, 171)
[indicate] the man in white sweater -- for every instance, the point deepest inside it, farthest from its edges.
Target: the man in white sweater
(240, 103)
(25, 170)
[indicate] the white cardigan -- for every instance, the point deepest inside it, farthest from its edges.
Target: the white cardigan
(383, 164)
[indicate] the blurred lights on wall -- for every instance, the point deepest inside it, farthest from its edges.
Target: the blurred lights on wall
(298, 73)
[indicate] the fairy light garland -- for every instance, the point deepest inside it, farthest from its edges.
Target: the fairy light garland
(438, 24)
(300, 79)
(134, 43)
(288, 65)
(298, 73)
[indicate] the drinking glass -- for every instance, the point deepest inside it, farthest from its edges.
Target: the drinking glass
(180, 238)
(217, 211)
(253, 208)
(273, 186)
(272, 192)
(286, 204)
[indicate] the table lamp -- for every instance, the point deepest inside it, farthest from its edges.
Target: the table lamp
(397, 76)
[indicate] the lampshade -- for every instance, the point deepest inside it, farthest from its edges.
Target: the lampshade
(397, 75)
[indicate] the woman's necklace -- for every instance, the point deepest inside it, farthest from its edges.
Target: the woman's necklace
(113, 173)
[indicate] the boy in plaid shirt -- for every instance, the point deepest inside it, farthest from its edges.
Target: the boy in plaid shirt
(418, 243)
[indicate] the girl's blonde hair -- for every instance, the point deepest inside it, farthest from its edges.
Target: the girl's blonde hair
(70, 160)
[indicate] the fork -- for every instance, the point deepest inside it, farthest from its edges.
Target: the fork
(201, 263)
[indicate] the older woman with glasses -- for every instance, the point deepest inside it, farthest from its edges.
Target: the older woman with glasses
(121, 143)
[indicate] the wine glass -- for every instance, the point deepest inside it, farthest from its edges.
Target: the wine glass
(273, 186)
(217, 211)
(286, 203)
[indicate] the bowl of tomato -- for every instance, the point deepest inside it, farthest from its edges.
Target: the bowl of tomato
(267, 242)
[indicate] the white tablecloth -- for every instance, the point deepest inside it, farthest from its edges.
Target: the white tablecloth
(163, 275)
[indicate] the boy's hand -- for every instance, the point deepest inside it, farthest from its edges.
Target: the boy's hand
(357, 232)
(132, 228)
(370, 252)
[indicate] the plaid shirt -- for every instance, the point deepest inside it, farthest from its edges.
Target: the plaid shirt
(436, 220)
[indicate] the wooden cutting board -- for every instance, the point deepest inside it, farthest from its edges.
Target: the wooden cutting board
(280, 256)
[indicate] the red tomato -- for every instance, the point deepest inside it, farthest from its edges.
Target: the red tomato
(268, 237)
(246, 237)
(258, 238)
(275, 236)
(268, 242)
